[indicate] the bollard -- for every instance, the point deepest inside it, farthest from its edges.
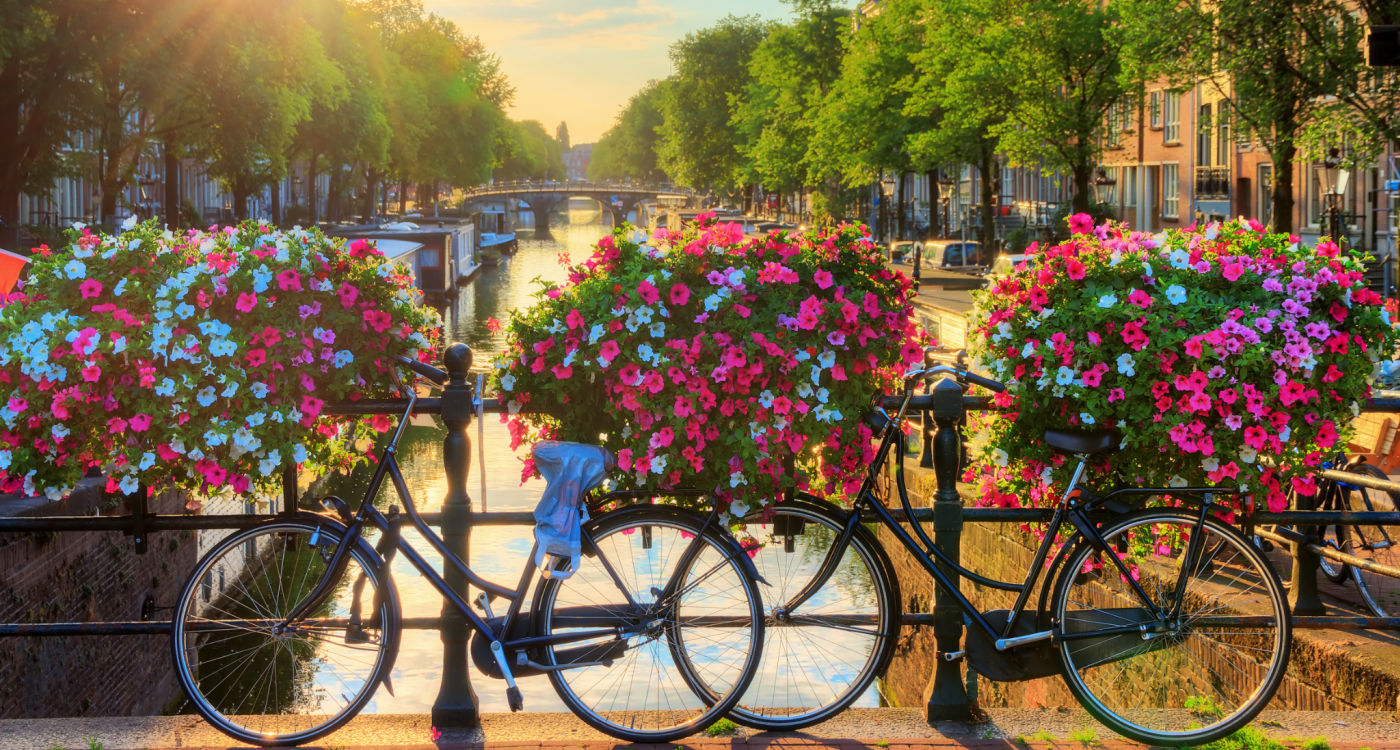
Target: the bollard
(1302, 592)
(945, 698)
(456, 704)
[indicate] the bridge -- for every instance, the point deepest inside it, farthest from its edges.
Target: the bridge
(617, 198)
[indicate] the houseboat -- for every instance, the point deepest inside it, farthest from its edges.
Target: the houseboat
(442, 255)
(496, 236)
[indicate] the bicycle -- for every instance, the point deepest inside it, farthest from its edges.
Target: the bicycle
(307, 623)
(1178, 647)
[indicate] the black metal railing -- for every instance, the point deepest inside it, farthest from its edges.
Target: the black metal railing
(1213, 183)
(942, 451)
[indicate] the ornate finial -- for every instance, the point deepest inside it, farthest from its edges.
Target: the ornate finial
(458, 359)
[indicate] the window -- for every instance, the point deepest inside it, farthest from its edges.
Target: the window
(1203, 136)
(1128, 182)
(1154, 104)
(1171, 206)
(1111, 139)
(1171, 116)
(1127, 114)
(1222, 133)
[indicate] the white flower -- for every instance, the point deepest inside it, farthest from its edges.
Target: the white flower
(595, 333)
(736, 479)
(738, 508)
(229, 390)
(259, 390)
(826, 359)
(343, 358)
(205, 397)
(658, 465)
(1179, 259)
(645, 352)
(1086, 417)
(1176, 481)
(1064, 376)
(1126, 364)
(78, 226)
(658, 329)
(1248, 454)
(129, 484)
(1176, 294)
(130, 223)
(1108, 300)
(507, 382)
(147, 461)
(270, 464)
(74, 269)
(299, 453)
(1146, 268)
(59, 432)
(1210, 463)
(214, 439)
(1000, 457)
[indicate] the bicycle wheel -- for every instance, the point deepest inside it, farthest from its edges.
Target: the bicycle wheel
(1330, 496)
(266, 687)
(635, 604)
(1379, 591)
(822, 655)
(1195, 674)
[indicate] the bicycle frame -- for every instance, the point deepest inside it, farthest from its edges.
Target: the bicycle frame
(930, 556)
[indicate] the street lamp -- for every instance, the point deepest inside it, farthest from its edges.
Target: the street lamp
(887, 180)
(1103, 186)
(1332, 180)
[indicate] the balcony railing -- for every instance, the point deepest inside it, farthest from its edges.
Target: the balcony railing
(1213, 182)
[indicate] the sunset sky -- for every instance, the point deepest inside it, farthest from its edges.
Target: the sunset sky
(579, 60)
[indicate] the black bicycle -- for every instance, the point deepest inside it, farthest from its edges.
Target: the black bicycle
(284, 630)
(1170, 626)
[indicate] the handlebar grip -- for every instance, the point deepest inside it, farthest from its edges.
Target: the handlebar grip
(426, 370)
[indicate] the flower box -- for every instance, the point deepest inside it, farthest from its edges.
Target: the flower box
(1226, 356)
(199, 360)
(705, 360)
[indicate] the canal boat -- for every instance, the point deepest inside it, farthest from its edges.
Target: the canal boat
(436, 259)
(496, 236)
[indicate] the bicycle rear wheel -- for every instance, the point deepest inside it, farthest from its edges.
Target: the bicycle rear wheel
(266, 685)
(820, 656)
(1379, 591)
(654, 591)
(1195, 674)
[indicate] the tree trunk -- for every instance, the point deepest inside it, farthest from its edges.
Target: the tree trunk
(403, 196)
(371, 186)
(1083, 176)
(170, 183)
(989, 227)
(935, 200)
(275, 187)
(899, 207)
(312, 218)
(1282, 159)
(240, 200)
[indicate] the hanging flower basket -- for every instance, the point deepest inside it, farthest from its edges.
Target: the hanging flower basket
(199, 361)
(709, 361)
(1226, 356)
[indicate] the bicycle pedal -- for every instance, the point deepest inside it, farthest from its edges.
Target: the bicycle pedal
(516, 701)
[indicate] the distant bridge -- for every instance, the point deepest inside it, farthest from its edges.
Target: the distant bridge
(617, 198)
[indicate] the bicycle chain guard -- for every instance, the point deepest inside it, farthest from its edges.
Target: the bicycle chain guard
(1027, 662)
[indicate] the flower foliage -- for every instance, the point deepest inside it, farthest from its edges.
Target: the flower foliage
(712, 362)
(1226, 357)
(201, 361)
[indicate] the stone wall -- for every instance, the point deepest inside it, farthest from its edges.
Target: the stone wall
(1329, 669)
(83, 577)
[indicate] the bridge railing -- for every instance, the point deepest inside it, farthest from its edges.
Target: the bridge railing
(525, 186)
(457, 704)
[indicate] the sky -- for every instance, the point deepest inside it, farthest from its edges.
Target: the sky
(579, 61)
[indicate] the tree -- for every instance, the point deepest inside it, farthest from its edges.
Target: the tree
(698, 143)
(1275, 63)
(862, 127)
(628, 148)
(791, 72)
(527, 151)
(561, 134)
(42, 79)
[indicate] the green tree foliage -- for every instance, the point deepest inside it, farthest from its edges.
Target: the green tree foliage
(529, 152)
(791, 72)
(628, 148)
(698, 143)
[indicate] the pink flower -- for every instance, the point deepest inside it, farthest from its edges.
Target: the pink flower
(562, 372)
(348, 293)
(140, 423)
(648, 292)
(310, 409)
(680, 294)
(608, 352)
(246, 302)
(90, 288)
(822, 278)
(493, 325)
(1081, 224)
(1074, 268)
(1232, 271)
(289, 280)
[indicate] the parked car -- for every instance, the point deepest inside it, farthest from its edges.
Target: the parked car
(960, 257)
(902, 251)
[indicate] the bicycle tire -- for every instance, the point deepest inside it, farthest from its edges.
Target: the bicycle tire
(1380, 593)
(626, 683)
(1332, 497)
(814, 665)
(1174, 693)
(266, 688)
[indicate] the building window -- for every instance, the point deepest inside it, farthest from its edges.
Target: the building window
(1154, 104)
(1171, 198)
(1222, 133)
(1111, 139)
(1171, 118)
(1127, 114)
(1266, 194)
(1128, 182)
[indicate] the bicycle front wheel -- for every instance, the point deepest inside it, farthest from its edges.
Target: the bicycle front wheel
(820, 654)
(1171, 653)
(266, 684)
(1379, 590)
(652, 592)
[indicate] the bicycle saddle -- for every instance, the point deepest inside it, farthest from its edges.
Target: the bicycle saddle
(1087, 442)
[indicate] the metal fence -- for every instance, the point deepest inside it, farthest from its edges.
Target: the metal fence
(942, 451)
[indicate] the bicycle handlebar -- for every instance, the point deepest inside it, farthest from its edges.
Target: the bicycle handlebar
(426, 370)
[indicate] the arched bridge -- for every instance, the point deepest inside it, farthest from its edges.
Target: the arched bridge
(617, 198)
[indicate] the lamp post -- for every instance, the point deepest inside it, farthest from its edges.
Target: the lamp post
(887, 180)
(1103, 186)
(946, 183)
(1332, 180)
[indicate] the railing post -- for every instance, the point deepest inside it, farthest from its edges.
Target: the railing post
(1302, 593)
(945, 698)
(456, 703)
